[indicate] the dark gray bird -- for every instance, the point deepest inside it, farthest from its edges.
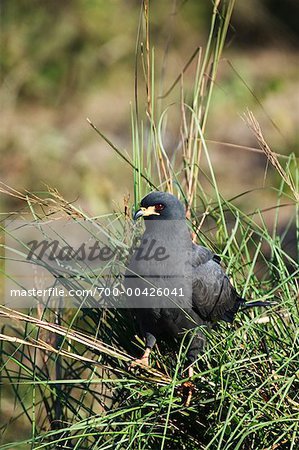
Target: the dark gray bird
(189, 268)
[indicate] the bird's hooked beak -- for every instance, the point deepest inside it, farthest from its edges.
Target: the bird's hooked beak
(144, 212)
(138, 213)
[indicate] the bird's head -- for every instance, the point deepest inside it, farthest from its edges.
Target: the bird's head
(160, 206)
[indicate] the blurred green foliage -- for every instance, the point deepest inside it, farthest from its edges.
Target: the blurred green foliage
(63, 61)
(57, 47)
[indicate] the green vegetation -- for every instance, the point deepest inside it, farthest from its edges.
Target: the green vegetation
(64, 377)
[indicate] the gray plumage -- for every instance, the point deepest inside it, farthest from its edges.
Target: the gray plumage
(210, 295)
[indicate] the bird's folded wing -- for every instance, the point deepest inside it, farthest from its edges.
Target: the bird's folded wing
(213, 296)
(201, 255)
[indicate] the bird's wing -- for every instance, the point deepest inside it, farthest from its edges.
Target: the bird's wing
(213, 296)
(201, 255)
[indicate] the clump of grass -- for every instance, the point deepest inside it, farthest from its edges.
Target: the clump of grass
(67, 370)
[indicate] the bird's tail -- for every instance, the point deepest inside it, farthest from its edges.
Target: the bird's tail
(242, 305)
(253, 304)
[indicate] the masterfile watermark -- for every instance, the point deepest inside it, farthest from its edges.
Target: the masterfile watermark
(53, 251)
(86, 264)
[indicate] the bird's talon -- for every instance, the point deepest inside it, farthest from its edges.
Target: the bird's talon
(139, 362)
(186, 390)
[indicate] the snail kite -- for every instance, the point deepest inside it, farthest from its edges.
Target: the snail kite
(176, 261)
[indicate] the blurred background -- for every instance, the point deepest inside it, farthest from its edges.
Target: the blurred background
(62, 62)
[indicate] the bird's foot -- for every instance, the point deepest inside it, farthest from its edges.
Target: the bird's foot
(143, 361)
(186, 390)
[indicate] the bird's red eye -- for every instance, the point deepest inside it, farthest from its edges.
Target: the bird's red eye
(159, 207)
